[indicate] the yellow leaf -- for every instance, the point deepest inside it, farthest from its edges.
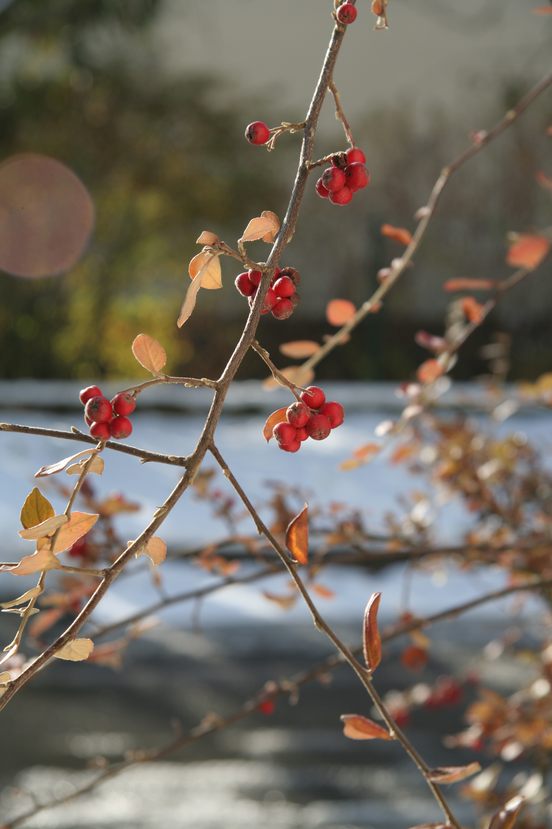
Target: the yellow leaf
(155, 549)
(76, 650)
(208, 264)
(36, 509)
(45, 528)
(36, 563)
(59, 466)
(149, 353)
(297, 536)
(78, 525)
(207, 237)
(97, 465)
(265, 227)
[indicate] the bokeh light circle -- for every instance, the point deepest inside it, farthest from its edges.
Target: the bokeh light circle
(46, 216)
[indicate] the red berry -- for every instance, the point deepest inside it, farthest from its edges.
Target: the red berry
(283, 309)
(357, 176)
(298, 415)
(354, 154)
(98, 409)
(292, 273)
(244, 284)
(313, 397)
(270, 301)
(334, 412)
(346, 13)
(333, 179)
(267, 707)
(302, 434)
(123, 403)
(257, 132)
(255, 277)
(284, 432)
(293, 446)
(88, 392)
(88, 421)
(284, 287)
(120, 427)
(342, 196)
(322, 191)
(79, 548)
(318, 427)
(100, 431)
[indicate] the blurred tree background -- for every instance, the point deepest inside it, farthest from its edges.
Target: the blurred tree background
(163, 156)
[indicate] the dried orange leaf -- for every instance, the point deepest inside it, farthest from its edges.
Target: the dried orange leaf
(299, 375)
(271, 234)
(323, 591)
(78, 525)
(285, 602)
(339, 311)
(207, 264)
(149, 353)
(76, 650)
(36, 563)
(297, 536)
(366, 451)
(464, 283)
(357, 727)
(527, 251)
(299, 349)
(399, 234)
(265, 227)
(45, 528)
(472, 310)
(371, 639)
(59, 466)
(36, 509)
(207, 237)
(507, 816)
(209, 275)
(453, 774)
(155, 549)
(272, 420)
(429, 371)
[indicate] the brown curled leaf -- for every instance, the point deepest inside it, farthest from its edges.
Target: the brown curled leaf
(371, 639)
(297, 536)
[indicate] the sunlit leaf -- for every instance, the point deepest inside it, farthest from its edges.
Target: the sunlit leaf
(207, 237)
(78, 525)
(371, 639)
(149, 353)
(76, 650)
(357, 727)
(323, 591)
(155, 549)
(527, 251)
(506, 817)
(272, 420)
(453, 774)
(96, 465)
(26, 597)
(339, 311)
(464, 283)
(285, 602)
(208, 265)
(59, 466)
(45, 528)
(265, 227)
(36, 563)
(472, 310)
(36, 509)
(297, 536)
(398, 234)
(299, 349)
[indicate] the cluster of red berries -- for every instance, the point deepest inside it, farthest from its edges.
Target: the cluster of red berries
(311, 417)
(346, 12)
(281, 297)
(107, 418)
(346, 175)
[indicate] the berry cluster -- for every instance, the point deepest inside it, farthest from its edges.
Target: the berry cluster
(346, 13)
(346, 175)
(311, 417)
(281, 298)
(107, 418)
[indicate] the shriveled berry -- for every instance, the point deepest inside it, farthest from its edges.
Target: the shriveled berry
(313, 397)
(90, 391)
(357, 175)
(257, 132)
(100, 431)
(283, 309)
(120, 427)
(342, 196)
(355, 154)
(298, 415)
(302, 434)
(244, 284)
(318, 427)
(320, 188)
(123, 403)
(98, 409)
(284, 287)
(284, 432)
(293, 446)
(255, 277)
(346, 13)
(334, 412)
(333, 179)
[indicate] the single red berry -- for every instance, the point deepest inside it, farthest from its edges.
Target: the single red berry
(244, 285)
(302, 434)
(267, 707)
(334, 412)
(284, 432)
(284, 287)
(313, 397)
(298, 415)
(123, 403)
(257, 132)
(98, 409)
(322, 191)
(401, 717)
(270, 301)
(318, 427)
(342, 196)
(357, 175)
(100, 431)
(346, 13)
(333, 179)
(255, 277)
(88, 392)
(283, 309)
(355, 154)
(88, 421)
(293, 446)
(120, 427)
